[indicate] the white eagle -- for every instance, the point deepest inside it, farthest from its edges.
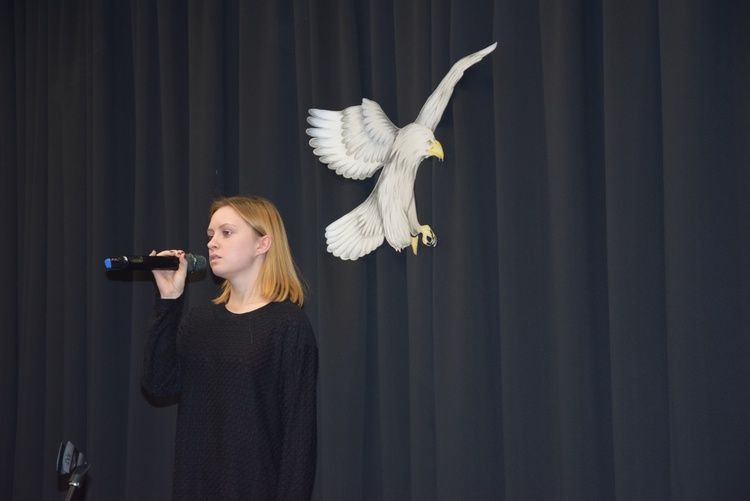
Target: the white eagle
(357, 142)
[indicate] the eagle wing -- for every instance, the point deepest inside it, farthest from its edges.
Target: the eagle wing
(354, 142)
(433, 108)
(356, 233)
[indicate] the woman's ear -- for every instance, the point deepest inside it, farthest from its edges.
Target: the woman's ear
(264, 243)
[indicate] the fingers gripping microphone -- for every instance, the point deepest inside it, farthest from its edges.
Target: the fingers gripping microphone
(195, 263)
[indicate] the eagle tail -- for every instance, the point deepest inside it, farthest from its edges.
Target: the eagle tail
(356, 233)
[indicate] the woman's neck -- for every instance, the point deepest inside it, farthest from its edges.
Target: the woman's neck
(243, 301)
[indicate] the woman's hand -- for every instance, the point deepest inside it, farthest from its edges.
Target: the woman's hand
(171, 283)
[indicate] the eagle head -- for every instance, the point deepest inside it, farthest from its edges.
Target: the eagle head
(418, 142)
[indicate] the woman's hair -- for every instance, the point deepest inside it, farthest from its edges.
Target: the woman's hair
(278, 276)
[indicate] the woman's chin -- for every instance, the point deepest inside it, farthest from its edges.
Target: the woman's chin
(217, 271)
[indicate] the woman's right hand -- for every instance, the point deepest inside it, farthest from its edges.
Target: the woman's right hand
(171, 283)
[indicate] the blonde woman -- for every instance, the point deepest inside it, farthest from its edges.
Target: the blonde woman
(244, 367)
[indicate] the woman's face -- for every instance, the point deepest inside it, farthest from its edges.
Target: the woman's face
(232, 243)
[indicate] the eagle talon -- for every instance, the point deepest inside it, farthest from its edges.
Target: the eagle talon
(428, 238)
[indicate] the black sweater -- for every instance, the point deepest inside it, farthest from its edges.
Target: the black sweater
(246, 383)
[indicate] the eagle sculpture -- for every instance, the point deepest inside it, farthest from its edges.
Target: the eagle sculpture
(357, 142)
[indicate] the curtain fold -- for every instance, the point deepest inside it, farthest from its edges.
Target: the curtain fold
(634, 179)
(580, 331)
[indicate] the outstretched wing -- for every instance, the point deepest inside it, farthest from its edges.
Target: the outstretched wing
(354, 142)
(356, 233)
(433, 108)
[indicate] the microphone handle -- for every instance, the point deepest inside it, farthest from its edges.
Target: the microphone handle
(143, 263)
(195, 263)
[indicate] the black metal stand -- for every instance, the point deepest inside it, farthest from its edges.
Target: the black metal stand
(76, 479)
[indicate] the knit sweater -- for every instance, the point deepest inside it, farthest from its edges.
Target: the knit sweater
(246, 384)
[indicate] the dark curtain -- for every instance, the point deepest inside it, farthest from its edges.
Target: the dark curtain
(581, 330)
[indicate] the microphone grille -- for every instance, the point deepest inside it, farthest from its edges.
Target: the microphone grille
(195, 263)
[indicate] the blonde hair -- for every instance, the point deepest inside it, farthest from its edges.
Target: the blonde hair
(278, 278)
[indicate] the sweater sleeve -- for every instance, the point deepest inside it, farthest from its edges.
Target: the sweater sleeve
(299, 414)
(160, 372)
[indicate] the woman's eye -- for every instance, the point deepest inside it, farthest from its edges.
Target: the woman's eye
(226, 233)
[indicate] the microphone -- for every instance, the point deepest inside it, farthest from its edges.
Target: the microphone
(195, 263)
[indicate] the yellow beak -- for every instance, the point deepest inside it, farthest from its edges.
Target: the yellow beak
(436, 149)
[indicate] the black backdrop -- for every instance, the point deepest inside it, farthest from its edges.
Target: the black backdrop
(581, 331)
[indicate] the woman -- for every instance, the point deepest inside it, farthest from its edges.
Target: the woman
(244, 367)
